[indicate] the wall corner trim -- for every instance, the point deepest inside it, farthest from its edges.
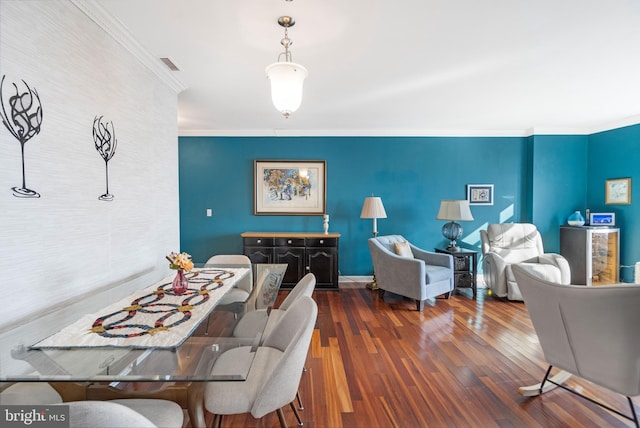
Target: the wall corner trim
(117, 31)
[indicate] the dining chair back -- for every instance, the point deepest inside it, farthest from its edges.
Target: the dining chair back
(275, 372)
(264, 320)
(125, 413)
(104, 414)
(235, 260)
(236, 300)
(293, 336)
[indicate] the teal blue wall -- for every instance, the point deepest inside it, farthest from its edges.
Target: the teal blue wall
(616, 154)
(558, 187)
(411, 174)
(540, 179)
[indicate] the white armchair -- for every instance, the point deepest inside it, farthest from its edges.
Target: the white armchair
(505, 244)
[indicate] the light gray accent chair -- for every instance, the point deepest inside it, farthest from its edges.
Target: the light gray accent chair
(275, 372)
(508, 243)
(587, 331)
(421, 277)
(125, 413)
(236, 299)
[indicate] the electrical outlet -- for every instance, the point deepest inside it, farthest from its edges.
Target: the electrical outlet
(209, 212)
(637, 279)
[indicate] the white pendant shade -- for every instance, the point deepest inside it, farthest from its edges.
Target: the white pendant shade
(287, 79)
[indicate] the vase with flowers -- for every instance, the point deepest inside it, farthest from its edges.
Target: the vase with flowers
(180, 262)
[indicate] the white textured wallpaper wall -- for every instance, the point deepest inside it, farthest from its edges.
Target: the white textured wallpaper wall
(67, 248)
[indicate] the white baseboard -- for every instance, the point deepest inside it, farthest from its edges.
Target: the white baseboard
(355, 278)
(369, 278)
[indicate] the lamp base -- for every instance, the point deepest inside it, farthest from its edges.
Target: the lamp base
(373, 286)
(453, 248)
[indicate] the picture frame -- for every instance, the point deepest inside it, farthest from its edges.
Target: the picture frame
(618, 191)
(290, 187)
(480, 194)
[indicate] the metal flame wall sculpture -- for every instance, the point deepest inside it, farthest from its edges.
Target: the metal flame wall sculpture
(104, 136)
(23, 122)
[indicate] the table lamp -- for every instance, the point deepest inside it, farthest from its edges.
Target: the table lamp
(453, 210)
(374, 209)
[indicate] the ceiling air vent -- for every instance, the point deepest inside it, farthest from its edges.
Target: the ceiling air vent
(170, 64)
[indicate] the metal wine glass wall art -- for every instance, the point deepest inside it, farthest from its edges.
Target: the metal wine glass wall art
(23, 121)
(104, 136)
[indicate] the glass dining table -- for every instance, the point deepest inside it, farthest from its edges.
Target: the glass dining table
(175, 372)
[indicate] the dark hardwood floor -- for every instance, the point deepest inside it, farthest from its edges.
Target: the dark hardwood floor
(377, 362)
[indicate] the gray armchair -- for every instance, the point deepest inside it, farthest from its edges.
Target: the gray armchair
(590, 332)
(421, 276)
(509, 243)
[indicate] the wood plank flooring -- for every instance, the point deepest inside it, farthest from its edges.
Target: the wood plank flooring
(377, 362)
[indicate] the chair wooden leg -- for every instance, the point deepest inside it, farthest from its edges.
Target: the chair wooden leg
(300, 406)
(283, 421)
(295, 411)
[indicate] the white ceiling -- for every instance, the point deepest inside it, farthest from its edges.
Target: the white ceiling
(408, 67)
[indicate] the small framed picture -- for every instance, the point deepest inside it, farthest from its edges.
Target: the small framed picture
(480, 194)
(618, 191)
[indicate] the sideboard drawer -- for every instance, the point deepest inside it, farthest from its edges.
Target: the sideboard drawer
(289, 242)
(258, 242)
(322, 242)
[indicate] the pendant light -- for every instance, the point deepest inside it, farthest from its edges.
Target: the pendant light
(286, 77)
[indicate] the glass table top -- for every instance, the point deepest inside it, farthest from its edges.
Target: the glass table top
(191, 361)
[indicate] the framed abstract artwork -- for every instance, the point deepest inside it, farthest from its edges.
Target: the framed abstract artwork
(480, 194)
(618, 191)
(290, 187)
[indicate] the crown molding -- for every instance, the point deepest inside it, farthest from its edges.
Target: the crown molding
(118, 32)
(631, 120)
(621, 123)
(347, 133)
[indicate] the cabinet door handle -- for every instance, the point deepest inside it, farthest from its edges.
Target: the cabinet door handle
(322, 241)
(259, 241)
(307, 268)
(289, 241)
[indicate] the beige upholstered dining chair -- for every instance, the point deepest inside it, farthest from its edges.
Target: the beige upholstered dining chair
(275, 372)
(236, 299)
(591, 332)
(125, 413)
(265, 319)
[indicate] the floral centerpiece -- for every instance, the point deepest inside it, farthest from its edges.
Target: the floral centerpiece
(180, 262)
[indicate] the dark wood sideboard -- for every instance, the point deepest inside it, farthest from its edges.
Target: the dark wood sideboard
(302, 252)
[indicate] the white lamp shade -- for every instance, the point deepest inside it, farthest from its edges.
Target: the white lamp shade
(454, 210)
(373, 208)
(287, 79)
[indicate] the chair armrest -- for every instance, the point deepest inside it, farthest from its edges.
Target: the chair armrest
(494, 273)
(494, 261)
(558, 261)
(431, 258)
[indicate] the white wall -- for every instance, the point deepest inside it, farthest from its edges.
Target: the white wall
(68, 252)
